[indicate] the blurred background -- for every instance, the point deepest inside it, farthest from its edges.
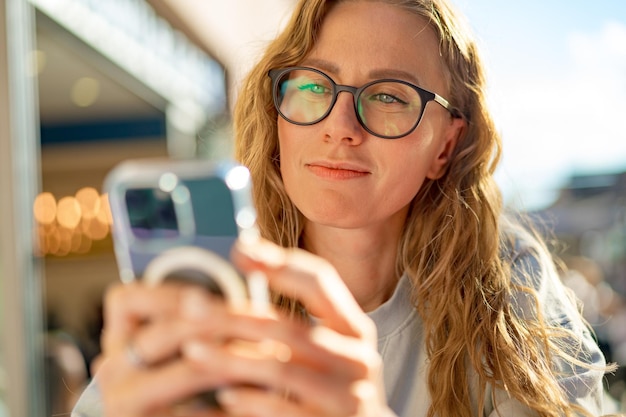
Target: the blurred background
(85, 84)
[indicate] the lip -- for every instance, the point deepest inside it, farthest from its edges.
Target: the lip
(337, 170)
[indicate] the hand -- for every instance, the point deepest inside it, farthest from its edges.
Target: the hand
(141, 371)
(329, 369)
(284, 367)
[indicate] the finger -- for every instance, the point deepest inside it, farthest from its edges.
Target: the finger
(245, 401)
(318, 346)
(311, 280)
(147, 390)
(149, 321)
(128, 306)
(160, 340)
(258, 403)
(330, 393)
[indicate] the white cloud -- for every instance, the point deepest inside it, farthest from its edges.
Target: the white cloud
(600, 68)
(573, 121)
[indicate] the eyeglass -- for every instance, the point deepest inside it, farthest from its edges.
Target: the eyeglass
(387, 108)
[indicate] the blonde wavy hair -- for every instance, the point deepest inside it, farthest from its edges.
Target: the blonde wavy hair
(452, 244)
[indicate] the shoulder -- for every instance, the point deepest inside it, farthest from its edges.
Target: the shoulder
(539, 294)
(531, 263)
(536, 286)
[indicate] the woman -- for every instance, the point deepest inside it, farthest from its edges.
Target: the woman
(372, 153)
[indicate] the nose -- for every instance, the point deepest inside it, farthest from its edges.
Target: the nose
(342, 123)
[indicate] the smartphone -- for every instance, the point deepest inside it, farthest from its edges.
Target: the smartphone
(178, 219)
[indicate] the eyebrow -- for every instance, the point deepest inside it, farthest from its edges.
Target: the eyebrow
(321, 64)
(375, 74)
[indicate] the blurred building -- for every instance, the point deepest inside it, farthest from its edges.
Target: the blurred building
(588, 222)
(120, 79)
(589, 218)
(116, 80)
(127, 79)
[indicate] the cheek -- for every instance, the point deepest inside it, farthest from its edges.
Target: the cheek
(287, 151)
(404, 185)
(408, 166)
(285, 139)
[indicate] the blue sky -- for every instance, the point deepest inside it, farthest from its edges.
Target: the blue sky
(557, 76)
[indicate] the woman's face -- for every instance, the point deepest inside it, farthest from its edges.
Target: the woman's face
(335, 172)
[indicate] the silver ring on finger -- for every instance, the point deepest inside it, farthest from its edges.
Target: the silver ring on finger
(134, 357)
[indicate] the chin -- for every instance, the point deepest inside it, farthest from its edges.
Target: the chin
(329, 207)
(340, 219)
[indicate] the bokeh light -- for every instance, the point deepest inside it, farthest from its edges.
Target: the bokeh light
(71, 224)
(89, 200)
(68, 212)
(85, 91)
(45, 208)
(104, 215)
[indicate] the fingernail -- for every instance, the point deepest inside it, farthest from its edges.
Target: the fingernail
(194, 304)
(226, 397)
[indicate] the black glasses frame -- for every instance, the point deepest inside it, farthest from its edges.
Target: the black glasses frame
(425, 95)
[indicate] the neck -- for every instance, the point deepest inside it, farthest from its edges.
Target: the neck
(364, 258)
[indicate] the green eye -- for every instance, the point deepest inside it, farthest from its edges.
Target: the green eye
(313, 88)
(387, 108)
(386, 99)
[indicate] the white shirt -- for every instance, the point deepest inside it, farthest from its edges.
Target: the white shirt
(400, 343)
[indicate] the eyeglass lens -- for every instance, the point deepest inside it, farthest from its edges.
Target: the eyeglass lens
(385, 108)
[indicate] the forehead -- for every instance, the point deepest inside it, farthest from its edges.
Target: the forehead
(361, 38)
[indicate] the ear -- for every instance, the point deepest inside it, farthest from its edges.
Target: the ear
(453, 132)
